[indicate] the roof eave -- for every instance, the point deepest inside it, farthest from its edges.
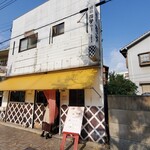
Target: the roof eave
(124, 50)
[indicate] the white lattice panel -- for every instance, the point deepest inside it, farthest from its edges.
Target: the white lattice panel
(64, 110)
(38, 113)
(28, 115)
(15, 113)
(20, 113)
(93, 127)
(2, 115)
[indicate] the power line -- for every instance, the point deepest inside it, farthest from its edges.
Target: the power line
(5, 24)
(9, 29)
(40, 27)
(7, 4)
(44, 38)
(81, 11)
(4, 47)
(3, 2)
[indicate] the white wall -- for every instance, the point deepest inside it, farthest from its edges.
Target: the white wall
(68, 50)
(138, 74)
(94, 96)
(5, 98)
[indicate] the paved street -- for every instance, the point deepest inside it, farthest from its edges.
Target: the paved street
(18, 139)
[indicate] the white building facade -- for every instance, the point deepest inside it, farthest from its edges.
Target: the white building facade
(137, 55)
(3, 65)
(56, 47)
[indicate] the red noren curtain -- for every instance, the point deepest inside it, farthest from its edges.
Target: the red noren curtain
(51, 99)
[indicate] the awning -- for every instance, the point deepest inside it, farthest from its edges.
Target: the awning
(73, 79)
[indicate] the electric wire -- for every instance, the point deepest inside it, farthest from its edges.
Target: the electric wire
(4, 47)
(7, 4)
(9, 29)
(40, 27)
(5, 25)
(4, 28)
(3, 2)
(137, 76)
(83, 10)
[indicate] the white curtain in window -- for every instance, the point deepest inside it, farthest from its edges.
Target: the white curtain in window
(23, 45)
(32, 42)
(145, 58)
(61, 28)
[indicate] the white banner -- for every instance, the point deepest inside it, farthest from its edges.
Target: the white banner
(93, 26)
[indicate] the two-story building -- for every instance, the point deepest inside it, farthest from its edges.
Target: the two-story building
(3, 65)
(137, 54)
(56, 48)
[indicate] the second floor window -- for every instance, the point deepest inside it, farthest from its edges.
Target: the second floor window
(58, 29)
(28, 42)
(144, 59)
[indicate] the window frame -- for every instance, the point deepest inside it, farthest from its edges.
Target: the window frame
(58, 30)
(3, 62)
(74, 95)
(144, 63)
(28, 45)
(40, 97)
(21, 96)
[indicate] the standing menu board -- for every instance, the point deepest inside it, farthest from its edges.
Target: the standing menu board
(73, 120)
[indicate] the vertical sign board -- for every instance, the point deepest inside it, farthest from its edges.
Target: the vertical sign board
(73, 122)
(94, 32)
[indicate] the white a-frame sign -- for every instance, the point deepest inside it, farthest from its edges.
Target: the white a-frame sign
(73, 122)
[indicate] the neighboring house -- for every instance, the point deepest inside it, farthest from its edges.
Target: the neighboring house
(137, 55)
(3, 62)
(56, 48)
(3, 65)
(124, 73)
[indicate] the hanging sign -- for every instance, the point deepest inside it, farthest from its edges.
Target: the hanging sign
(93, 30)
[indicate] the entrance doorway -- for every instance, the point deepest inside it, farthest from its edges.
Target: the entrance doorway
(40, 104)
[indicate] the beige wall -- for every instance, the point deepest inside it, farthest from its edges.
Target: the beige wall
(145, 88)
(64, 97)
(129, 122)
(29, 96)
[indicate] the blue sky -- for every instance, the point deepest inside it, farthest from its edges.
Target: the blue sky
(122, 22)
(13, 11)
